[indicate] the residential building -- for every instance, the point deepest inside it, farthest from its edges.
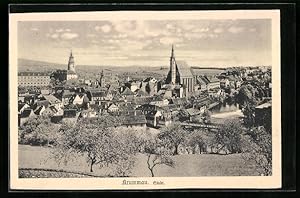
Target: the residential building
(33, 79)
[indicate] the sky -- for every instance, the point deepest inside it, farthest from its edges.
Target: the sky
(214, 43)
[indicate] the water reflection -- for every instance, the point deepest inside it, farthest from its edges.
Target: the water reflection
(229, 105)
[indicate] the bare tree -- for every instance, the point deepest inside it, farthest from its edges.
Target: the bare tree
(157, 155)
(96, 139)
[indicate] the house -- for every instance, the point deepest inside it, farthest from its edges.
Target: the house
(53, 111)
(133, 85)
(79, 99)
(201, 103)
(22, 107)
(134, 120)
(53, 101)
(24, 116)
(201, 84)
(140, 93)
(112, 108)
(127, 93)
(193, 113)
(213, 82)
(224, 82)
(179, 102)
(96, 95)
(45, 91)
(64, 95)
(138, 101)
(39, 110)
(30, 99)
(88, 113)
(70, 116)
(159, 101)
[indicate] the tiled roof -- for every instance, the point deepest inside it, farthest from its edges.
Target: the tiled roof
(38, 103)
(192, 111)
(133, 120)
(184, 69)
(26, 113)
(70, 113)
(52, 99)
(127, 92)
(179, 101)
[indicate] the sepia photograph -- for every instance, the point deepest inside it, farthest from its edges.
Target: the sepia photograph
(126, 100)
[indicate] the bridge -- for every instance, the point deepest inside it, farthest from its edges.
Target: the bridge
(198, 125)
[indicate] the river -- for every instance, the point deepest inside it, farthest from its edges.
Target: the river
(228, 109)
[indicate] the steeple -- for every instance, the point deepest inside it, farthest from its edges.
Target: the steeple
(173, 66)
(101, 79)
(71, 63)
(172, 53)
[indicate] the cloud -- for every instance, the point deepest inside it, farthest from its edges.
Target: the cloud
(201, 29)
(34, 29)
(218, 30)
(68, 36)
(124, 26)
(235, 29)
(106, 28)
(91, 35)
(120, 36)
(97, 28)
(59, 30)
(170, 40)
(54, 36)
(191, 35)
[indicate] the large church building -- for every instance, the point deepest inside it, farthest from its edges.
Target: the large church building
(180, 74)
(68, 74)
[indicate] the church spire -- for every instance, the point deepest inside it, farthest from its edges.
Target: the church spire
(172, 53)
(173, 67)
(71, 63)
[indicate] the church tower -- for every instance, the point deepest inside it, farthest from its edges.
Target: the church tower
(71, 64)
(173, 67)
(101, 79)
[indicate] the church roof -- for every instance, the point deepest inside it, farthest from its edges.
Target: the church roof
(184, 69)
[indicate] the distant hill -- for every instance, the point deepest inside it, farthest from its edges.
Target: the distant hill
(33, 65)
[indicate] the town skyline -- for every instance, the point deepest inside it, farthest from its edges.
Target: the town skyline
(203, 43)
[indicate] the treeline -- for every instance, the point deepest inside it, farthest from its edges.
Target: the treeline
(103, 142)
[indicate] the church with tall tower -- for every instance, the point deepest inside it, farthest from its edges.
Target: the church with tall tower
(71, 72)
(180, 74)
(71, 63)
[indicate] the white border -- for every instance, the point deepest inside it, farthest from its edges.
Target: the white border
(261, 182)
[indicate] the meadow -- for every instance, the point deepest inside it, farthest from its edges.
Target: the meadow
(35, 161)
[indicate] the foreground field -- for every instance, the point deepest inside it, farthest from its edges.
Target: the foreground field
(186, 165)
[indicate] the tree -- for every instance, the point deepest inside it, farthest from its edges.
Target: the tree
(172, 136)
(197, 139)
(157, 155)
(247, 101)
(38, 131)
(96, 139)
(206, 116)
(229, 137)
(258, 148)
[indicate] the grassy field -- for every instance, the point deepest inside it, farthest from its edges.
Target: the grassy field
(185, 165)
